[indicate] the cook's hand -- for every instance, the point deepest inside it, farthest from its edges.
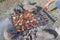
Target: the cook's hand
(46, 7)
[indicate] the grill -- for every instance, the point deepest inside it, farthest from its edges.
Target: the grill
(26, 20)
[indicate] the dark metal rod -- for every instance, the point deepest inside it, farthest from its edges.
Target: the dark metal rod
(49, 16)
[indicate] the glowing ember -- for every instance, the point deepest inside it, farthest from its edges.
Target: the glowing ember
(25, 20)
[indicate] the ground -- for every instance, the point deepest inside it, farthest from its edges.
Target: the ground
(7, 6)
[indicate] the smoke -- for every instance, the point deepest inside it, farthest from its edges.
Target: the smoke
(3, 25)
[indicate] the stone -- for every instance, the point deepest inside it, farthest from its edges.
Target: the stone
(30, 8)
(26, 2)
(57, 29)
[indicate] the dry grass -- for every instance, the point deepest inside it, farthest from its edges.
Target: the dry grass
(9, 3)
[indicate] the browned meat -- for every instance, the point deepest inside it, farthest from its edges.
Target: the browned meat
(24, 21)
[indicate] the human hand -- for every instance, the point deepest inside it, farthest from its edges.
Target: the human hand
(46, 7)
